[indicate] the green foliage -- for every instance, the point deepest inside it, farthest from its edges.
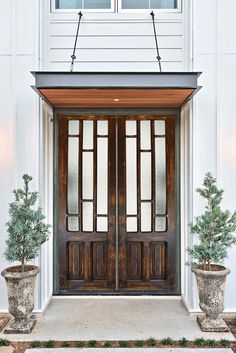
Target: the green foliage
(210, 343)
(183, 342)
(167, 341)
(107, 344)
(49, 344)
(35, 344)
(224, 343)
(80, 344)
(65, 344)
(214, 227)
(92, 343)
(151, 342)
(4, 342)
(139, 343)
(200, 342)
(26, 228)
(124, 344)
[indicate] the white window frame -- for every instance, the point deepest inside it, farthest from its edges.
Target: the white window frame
(121, 10)
(53, 8)
(116, 7)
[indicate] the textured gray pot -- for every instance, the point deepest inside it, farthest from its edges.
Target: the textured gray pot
(211, 289)
(21, 287)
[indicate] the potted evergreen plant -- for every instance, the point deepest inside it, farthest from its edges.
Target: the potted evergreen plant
(26, 233)
(214, 229)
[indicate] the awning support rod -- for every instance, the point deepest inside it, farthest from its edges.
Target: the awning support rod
(155, 35)
(73, 56)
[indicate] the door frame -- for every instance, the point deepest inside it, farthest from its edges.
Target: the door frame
(115, 112)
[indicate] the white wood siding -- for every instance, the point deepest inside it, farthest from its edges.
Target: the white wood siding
(114, 41)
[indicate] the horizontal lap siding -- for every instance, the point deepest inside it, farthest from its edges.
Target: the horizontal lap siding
(114, 43)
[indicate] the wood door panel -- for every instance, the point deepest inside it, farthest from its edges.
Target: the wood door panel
(86, 232)
(147, 229)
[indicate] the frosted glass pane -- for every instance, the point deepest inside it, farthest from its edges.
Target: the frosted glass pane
(102, 224)
(131, 176)
(87, 216)
(68, 4)
(73, 224)
(160, 174)
(131, 224)
(163, 4)
(131, 127)
(160, 127)
(146, 175)
(97, 4)
(102, 127)
(74, 127)
(145, 135)
(160, 224)
(87, 134)
(73, 170)
(135, 4)
(146, 216)
(102, 175)
(87, 178)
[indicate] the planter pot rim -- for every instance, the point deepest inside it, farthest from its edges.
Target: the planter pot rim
(224, 272)
(20, 275)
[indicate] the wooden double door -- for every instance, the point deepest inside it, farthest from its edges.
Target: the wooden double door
(116, 204)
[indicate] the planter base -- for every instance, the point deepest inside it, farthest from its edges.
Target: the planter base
(24, 326)
(208, 324)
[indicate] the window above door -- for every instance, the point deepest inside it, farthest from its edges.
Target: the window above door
(115, 5)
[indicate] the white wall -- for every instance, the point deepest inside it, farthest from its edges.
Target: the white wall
(214, 123)
(19, 118)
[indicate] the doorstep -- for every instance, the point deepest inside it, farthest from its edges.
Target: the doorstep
(115, 318)
(129, 350)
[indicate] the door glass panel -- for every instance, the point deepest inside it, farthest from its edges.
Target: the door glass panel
(160, 174)
(131, 224)
(160, 224)
(73, 224)
(102, 127)
(73, 127)
(131, 176)
(146, 176)
(87, 216)
(145, 134)
(131, 127)
(102, 175)
(87, 175)
(159, 127)
(87, 134)
(146, 216)
(73, 179)
(102, 224)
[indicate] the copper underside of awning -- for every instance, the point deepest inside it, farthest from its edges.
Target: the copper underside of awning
(116, 98)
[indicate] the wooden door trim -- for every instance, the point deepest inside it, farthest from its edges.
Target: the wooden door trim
(175, 113)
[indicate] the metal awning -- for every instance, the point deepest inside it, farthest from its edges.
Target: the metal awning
(75, 90)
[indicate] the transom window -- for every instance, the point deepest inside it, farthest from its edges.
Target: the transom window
(83, 4)
(149, 4)
(115, 5)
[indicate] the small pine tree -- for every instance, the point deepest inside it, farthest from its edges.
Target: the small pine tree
(26, 228)
(214, 227)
